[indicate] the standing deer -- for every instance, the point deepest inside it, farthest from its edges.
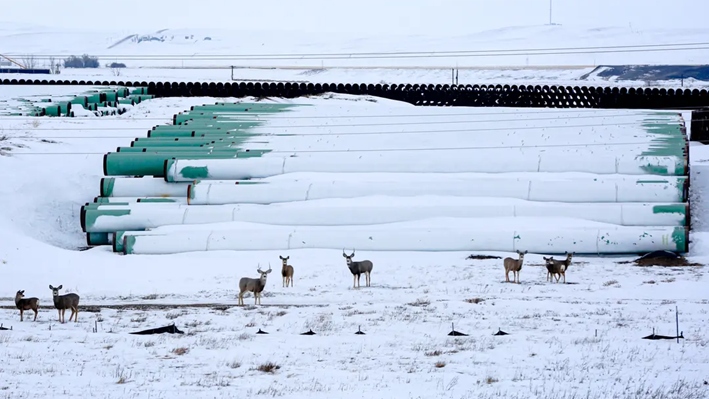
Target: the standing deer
(514, 266)
(558, 267)
(286, 271)
(357, 268)
(64, 302)
(26, 304)
(255, 285)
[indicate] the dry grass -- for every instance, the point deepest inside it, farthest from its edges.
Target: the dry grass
(180, 351)
(420, 302)
(491, 380)
(434, 353)
(440, 364)
(474, 300)
(234, 364)
(268, 367)
(482, 257)
(610, 282)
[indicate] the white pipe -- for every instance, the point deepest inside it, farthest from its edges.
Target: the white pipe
(380, 210)
(542, 236)
(532, 188)
(492, 160)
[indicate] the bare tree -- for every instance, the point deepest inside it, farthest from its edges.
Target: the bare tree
(29, 61)
(53, 66)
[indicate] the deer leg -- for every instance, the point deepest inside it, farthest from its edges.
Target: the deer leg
(564, 274)
(76, 315)
(507, 275)
(59, 312)
(35, 314)
(21, 317)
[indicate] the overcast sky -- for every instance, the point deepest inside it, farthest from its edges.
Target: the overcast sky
(364, 17)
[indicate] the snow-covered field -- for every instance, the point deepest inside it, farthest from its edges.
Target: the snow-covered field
(575, 340)
(581, 339)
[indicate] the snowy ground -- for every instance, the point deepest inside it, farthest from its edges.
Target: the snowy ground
(580, 339)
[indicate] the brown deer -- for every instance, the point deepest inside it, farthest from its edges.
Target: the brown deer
(26, 304)
(514, 266)
(286, 271)
(255, 285)
(64, 302)
(357, 268)
(558, 267)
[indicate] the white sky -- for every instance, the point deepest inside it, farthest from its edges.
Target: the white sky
(363, 17)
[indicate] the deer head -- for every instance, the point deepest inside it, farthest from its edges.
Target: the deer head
(264, 274)
(285, 260)
(55, 290)
(348, 258)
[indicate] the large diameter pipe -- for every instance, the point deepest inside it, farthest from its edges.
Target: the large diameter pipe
(131, 200)
(377, 210)
(153, 164)
(630, 189)
(435, 161)
(432, 235)
(141, 187)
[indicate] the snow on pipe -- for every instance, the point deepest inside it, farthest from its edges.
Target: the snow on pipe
(493, 161)
(417, 237)
(376, 210)
(130, 200)
(629, 189)
(150, 187)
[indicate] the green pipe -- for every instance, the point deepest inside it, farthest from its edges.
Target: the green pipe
(153, 164)
(93, 239)
(83, 100)
(179, 150)
(245, 107)
(138, 98)
(192, 140)
(232, 125)
(52, 110)
(111, 95)
(138, 91)
(200, 132)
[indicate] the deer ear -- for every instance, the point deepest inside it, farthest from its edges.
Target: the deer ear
(60, 287)
(50, 287)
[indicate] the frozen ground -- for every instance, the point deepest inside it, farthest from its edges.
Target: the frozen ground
(580, 339)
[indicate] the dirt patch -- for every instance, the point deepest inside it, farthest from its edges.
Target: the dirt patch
(665, 261)
(482, 257)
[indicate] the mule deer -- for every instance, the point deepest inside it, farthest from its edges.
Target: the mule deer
(286, 271)
(357, 268)
(64, 302)
(514, 266)
(23, 304)
(558, 267)
(255, 285)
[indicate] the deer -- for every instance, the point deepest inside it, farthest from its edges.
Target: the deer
(64, 302)
(514, 266)
(558, 267)
(286, 271)
(357, 268)
(23, 304)
(255, 285)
